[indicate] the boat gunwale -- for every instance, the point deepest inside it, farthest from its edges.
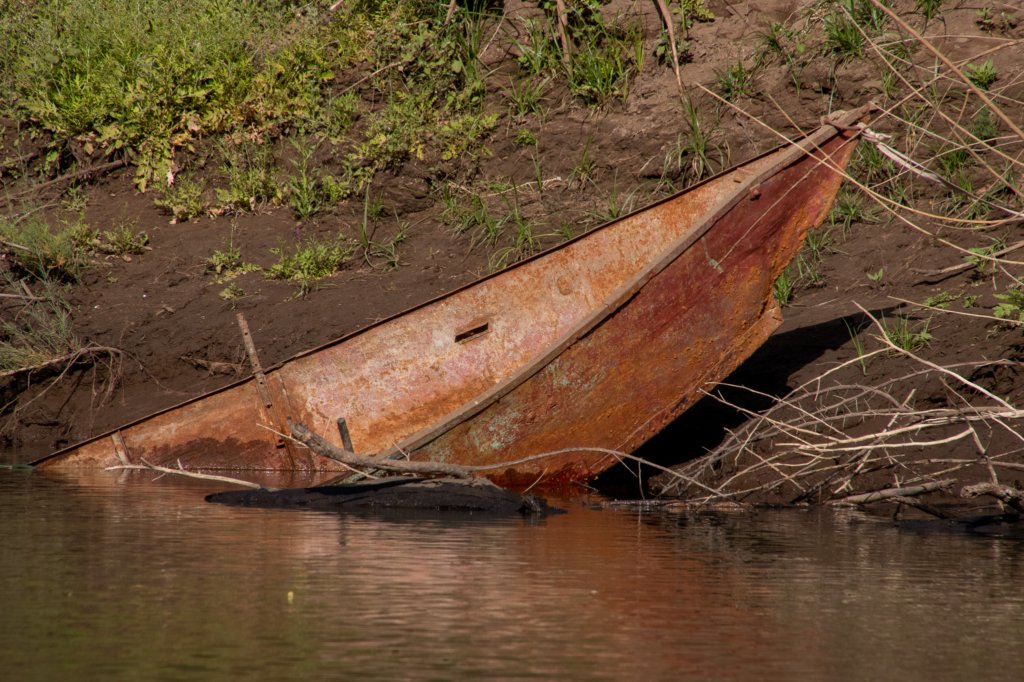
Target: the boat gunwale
(834, 125)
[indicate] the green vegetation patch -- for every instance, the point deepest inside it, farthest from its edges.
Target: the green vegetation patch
(150, 80)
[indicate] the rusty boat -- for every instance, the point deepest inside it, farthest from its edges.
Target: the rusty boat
(587, 349)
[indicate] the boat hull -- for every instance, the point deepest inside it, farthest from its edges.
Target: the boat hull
(592, 347)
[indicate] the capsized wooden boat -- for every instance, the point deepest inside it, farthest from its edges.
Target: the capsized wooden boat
(592, 346)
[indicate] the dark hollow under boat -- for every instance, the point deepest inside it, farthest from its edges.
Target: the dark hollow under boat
(590, 347)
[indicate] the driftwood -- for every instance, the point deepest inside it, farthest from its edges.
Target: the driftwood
(397, 493)
(1011, 497)
(909, 491)
(802, 449)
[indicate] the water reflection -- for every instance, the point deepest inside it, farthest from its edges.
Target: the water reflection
(142, 580)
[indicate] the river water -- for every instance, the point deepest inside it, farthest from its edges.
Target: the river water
(119, 577)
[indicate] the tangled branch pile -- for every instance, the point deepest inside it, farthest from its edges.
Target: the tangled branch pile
(931, 429)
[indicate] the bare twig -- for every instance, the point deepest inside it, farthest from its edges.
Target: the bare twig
(85, 172)
(910, 491)
(181, 471)
(12, 245)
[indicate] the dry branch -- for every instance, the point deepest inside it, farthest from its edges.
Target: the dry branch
(822, 442)
(909, 491)
(181, 471)
(84, 173)
(325, 449)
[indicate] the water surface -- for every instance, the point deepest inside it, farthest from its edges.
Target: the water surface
(119, 577)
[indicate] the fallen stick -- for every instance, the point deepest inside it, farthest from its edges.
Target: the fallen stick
(12, 245)
(942, 273)
(181, 471)
(85, 172)
(325, 449)
(23, 297)
(909, 491)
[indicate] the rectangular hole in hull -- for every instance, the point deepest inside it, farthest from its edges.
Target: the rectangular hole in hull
(471, 333)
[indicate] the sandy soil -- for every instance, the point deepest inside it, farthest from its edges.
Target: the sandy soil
(165, 312)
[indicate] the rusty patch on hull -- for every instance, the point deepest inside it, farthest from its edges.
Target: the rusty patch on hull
(689, 326)
(595, 345)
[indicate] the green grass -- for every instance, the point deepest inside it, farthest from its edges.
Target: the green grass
(583, 171)
(907, 336)
(525, 240)
(226, 264)
(991, 20)
(784, 288)
(538, 52)
(737, 80)
(525, 138)
(843, 39)
(1011, 305)
(251, 177)
(526, 96)
(845, 23)
(305, 196)
(123, 241)
(310, 261)
(982, 74)
(858, 347)
(34, 250)
(697, 153)
(183, 200)
(984, 126)
(929, 9)
(136, 79)
(375, 250)
(941, 300)
(469, 213)
(850, 207)
(600, 70)
(616, 205)
(982, 260)
(101, 79)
